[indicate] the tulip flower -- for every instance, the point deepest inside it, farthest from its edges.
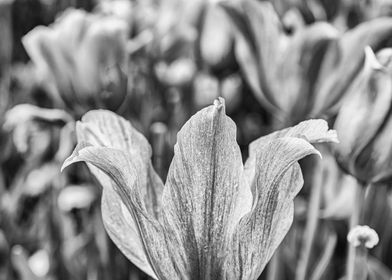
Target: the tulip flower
(214, 218)
(83, 56)
(361, 238)
(306, 73)
(216, 43)
(364, 122)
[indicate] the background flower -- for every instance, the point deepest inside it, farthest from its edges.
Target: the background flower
(83, 57)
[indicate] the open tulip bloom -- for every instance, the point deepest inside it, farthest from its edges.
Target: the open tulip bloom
(215, 218)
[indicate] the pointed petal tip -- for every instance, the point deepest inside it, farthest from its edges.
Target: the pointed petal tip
(371, 60)
(74, 157)
(333, 135)
(219, 103)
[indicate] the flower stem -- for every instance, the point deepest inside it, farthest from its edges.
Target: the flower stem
(355, 255)
(274, 266)
(311, 222)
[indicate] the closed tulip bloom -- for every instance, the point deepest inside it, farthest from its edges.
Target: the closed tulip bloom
(84, 58)
(214, 218)
(364, 122)
(304, 73)
(216, 44)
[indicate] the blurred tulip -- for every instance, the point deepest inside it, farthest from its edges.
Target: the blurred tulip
(39, 263)
(84, 58)
(216, 43)
(40, 179)
(170, 232)
(338, 190)
(364, 122)
(304, 74)
(75, 197)
(121, 9)
(19, 259)
(231, 91)
(343, 62)
(205, 89)
(30, 130)
(281, 69)
(178, 73)
(362, 238)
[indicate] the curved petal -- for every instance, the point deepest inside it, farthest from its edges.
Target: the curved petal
(203, 188)
(275, 182)
(313, 131)
(361, 118)
(160, 244)
(258, 44)
(41, 44)
(281, 69)
(101, 57)
(105, 129)
(343, 62)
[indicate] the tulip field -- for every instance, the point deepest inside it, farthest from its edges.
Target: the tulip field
(195, 139)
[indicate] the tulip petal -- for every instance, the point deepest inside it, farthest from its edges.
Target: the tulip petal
(343, 62)
(102, 56)
(281, 69)
(367, 108)
(160, 244)
(203, 188)
(23, 113)
(105, 129)
(259, 41)
(275, 182)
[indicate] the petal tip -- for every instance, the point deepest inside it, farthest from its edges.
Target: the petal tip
(74, 157)
(219, 103)
(371, 60)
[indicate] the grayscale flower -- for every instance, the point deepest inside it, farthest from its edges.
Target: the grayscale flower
(215, 218)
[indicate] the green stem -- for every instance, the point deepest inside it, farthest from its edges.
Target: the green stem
(356, 219)
(311, 222)
(274, 266)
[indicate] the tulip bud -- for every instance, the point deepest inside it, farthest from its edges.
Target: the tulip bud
(364, 122)
(83, 57)
(363, 236)
(119, 8)
(205, 89)
(178, 73)
(217, 39)
(75, 197)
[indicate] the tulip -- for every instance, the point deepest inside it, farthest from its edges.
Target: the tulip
(364, 122)
(216, 43)
(281, 69)
(83, 59)
(214, 218)
(362, 238)
(304, 74)
(31, 128)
